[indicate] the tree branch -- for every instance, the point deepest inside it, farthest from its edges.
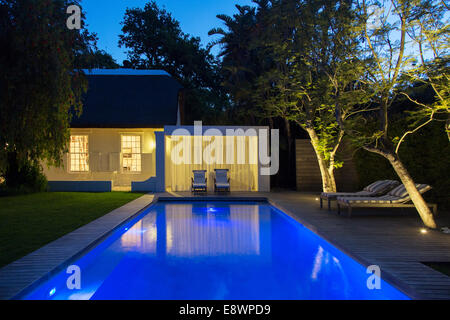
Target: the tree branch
(412, 131)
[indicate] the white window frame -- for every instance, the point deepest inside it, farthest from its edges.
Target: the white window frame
(139, 165)
(80, 153)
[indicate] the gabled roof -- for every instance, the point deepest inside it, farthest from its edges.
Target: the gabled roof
(124, 98)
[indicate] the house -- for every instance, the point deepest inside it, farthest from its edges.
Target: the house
(130, 137)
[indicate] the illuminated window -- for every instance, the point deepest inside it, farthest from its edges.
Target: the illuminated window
(79, 154)
(131, 153)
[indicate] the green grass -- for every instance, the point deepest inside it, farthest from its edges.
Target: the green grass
(28, 222)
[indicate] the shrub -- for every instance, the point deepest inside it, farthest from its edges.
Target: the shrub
(27, 178)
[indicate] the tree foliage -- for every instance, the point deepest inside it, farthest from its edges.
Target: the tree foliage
(95, 59)
(38, 83)
(335, 68)
(154, 40)
(297, 61)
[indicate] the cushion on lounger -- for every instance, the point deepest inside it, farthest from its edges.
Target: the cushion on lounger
(397, 195)
(383, 186)
(371, 187)
(401, 192)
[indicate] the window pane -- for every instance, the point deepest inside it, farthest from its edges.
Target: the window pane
(79, 153)
(131, 153)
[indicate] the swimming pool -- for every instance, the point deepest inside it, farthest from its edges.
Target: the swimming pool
(214, 250)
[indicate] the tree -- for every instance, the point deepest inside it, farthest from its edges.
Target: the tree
(96, 59)
(388, 79)
(38, 84)
(155, 40)
(321, 85)
(241, 64)
(430, 35)
(296, 60)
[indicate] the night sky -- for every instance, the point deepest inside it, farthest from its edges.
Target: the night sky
(196, 18)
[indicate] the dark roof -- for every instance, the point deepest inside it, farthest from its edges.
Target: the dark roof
(129, 101)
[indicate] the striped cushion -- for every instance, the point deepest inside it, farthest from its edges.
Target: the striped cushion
(382, 186)
(398, 195)
(371, 186)
(386, 186)
(377, 188)
(401, 192)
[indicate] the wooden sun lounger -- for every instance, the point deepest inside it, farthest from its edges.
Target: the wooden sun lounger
(377, 188)
(397, 198)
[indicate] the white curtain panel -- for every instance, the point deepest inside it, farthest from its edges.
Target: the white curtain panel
(238, 154)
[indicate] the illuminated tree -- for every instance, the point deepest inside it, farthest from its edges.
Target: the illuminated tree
(389, 44)
(297, 61)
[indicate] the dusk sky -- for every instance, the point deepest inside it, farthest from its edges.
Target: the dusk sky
(196, 17)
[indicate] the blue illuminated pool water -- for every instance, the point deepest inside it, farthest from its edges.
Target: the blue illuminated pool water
(215, 250)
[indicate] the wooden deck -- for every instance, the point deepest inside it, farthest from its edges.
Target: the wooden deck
(389, 238)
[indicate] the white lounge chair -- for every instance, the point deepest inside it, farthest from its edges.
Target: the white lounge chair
(199, 181)
(221, 180)
(396, 198)
(375, 189)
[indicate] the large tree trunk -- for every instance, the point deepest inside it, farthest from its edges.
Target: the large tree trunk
(328, 181)
(420, 204)
(289, 142)
(332, 180)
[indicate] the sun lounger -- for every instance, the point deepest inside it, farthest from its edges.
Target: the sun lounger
(397, 198)
(199, 181)
(221, 180)
(375, 189)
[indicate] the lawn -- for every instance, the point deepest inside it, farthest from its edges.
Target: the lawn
(28, 222)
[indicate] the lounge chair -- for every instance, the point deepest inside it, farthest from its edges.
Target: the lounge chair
(221, 180)
(396, 198)
(375, 189)
(199, 181)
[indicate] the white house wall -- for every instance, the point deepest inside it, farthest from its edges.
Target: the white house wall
(105, 162)
(105, 158)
